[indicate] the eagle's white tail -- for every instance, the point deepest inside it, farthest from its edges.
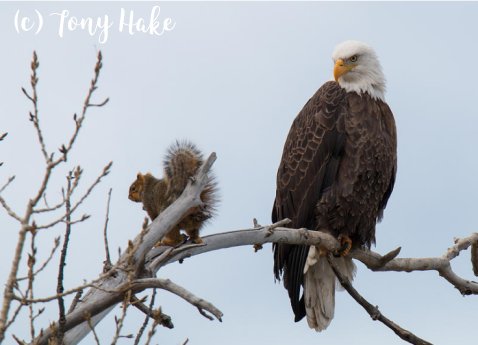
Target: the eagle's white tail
(319, 287)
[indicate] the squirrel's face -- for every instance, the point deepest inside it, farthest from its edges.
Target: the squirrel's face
(136, 189)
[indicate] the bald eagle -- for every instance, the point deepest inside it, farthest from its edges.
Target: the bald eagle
(336, 174)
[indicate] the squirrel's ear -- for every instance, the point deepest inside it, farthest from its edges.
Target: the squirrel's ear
(140, 176)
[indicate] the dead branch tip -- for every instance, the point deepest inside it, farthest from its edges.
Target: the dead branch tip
(390, 256)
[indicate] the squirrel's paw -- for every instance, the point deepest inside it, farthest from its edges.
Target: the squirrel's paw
(171, 242)
(197, 240)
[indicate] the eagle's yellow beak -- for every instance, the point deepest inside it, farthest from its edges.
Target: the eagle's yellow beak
(341, 68)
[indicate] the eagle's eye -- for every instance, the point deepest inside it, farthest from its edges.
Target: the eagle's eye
(353, 58)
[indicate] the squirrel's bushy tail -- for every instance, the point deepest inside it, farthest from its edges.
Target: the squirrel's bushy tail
(182, 161)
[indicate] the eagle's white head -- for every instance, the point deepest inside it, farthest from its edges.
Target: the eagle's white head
(357, 69)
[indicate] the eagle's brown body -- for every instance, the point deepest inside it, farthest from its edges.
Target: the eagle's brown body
(336, 175)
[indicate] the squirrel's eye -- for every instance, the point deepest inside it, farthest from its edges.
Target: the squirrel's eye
(353, 58)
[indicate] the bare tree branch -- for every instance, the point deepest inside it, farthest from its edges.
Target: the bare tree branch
(440, 264)
(75, 301)
(49, 209)
(373, 311)
(97, 340)
(10, 212)
(31, 277)
(105, 231)
(56, 244)
(86, 104)
(64, 250)
(166, 284)
(156, 315)
(10, 180)
(151, 333)
(50, 164)
(147, 311)
(34, 99)
(4, 204)
(266, 234)
(474, 257)
(106, 171)
(275, 234)
(120, 321)
(15, 314)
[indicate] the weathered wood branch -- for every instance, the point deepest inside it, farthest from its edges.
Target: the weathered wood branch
(372, 260)
(372, 310)
(275, 233)
(168, 285)
(440, 264)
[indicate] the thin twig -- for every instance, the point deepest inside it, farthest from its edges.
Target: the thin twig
(92, 327)
(49, 209)
(9, 211)
(56, 244)
(75, 301)
(105, 230)
(64, 251)
(151, 333)
(34, 99)
(86, 104)
(106, 171)
(158, 318)
(31, 278)
(146, 319)
(15, 314)
(18, 340)
(11, 281)
(63, 294)
(373, 311)
(10, 180)
(76, 221)
(120, 321)
(157, 315)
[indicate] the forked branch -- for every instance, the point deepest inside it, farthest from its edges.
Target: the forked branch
(372, 310)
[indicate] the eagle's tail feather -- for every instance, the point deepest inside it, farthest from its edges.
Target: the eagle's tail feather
(319, 287)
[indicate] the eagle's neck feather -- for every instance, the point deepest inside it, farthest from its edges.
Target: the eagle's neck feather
(374, 89)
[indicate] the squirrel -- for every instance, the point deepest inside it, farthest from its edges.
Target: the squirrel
(181, 163)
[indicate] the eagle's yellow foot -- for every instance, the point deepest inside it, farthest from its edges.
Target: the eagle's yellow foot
(345, 245)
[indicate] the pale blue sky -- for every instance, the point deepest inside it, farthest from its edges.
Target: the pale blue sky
(231, 77)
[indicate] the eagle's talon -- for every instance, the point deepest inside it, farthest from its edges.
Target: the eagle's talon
(345, 246)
